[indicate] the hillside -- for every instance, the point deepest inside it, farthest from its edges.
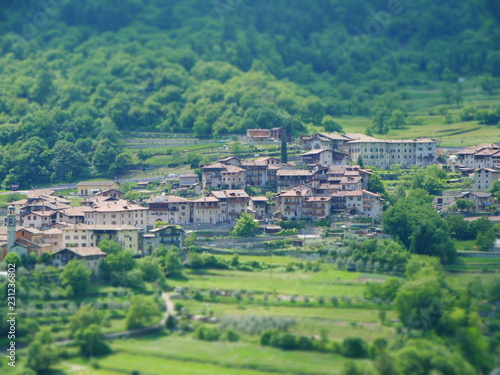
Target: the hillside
(75, 74)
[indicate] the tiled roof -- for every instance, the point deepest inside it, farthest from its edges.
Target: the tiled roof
(167, 199)
(85, 251)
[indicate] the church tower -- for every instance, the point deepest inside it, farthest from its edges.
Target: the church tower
(11, 228)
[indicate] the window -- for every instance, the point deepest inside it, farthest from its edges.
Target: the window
(75, 237)
(84, 237)
(67, 237)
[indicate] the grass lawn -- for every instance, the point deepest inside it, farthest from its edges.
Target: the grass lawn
(324, 283)
(277, 260)
(157, 365)
(464, 244)
(333, 314)
(238, 356)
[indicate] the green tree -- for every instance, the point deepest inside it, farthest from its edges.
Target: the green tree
(110, 246)
(397, 120)
(76, 276)
(143, 312)
(354, 347)
(42, 352)
(284, 151)
(173, 262)
(151, 269)
(485, 241)
(330, 125)
(85, 316)
(13, 258)
(245, 226)
(91, 342)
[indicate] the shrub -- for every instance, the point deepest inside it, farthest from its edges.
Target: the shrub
(354, 347)
(230, 335)
(206, 333)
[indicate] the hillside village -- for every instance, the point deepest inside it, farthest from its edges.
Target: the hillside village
(324, 183)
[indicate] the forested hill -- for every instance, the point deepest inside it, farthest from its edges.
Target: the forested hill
(73, 72)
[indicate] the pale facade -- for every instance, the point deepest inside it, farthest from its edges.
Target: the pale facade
(384, 153)
(170, 209)
(118, 213)
(484, 178)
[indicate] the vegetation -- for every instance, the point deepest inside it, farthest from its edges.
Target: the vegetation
(86, 72)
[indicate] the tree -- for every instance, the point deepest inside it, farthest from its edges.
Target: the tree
(110, 246)
(330, 125)
(397, 120)
(360, 161)
(86, 315)
(45, 258)
(419, 227)
(464, 204)
(151, 269)
(143, 311)
(76, 276)
(173, 262)
(91, 342)
(13, 258)
(419, 304)
(354, 347)
(42, 352)
(425, 357)
(245, 226)
(485, 241)
(284, 151)
(235, 148)
(375, 184)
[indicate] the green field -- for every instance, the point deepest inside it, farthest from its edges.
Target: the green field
(324, 283)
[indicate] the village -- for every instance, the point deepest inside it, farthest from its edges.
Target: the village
(327, 181)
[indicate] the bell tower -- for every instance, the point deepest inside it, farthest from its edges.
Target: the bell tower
(11, 228)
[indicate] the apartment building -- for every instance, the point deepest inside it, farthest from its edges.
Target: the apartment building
(120, 212)
(87, 235)
(384, 153)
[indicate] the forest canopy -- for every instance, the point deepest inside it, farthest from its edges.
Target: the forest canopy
(74, 74)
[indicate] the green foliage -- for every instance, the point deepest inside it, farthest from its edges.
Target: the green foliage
(207, 333)
(151, 269)
(354, 347)
(85, 316)
(13, 258)
(159, 224)
(414, 222)
(486, 240)
(42, 352)
(173, 262)
(91, 342)
(245, 226)
(77, 277)
(110, 247)
(385, 291)
(284, 151)
(422, 357)
(143, 311)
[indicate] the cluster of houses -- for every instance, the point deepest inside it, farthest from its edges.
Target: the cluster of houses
(321, 183)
